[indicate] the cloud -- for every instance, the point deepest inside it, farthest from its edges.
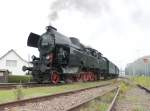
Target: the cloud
(139, 13)
(117, 28)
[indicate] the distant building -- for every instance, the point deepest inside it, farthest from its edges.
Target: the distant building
(139, 67)
(12, 62)
(121, 72)
(4, 75)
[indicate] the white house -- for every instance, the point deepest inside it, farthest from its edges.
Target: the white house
(13, 62)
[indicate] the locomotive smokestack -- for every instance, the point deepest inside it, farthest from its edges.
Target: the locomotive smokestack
(48, 28)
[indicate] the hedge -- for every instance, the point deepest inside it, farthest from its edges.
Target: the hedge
(19, 79)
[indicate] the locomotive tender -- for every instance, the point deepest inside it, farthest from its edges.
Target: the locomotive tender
(66, 59)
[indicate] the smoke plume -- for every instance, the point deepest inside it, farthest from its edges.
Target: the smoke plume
(92, 7)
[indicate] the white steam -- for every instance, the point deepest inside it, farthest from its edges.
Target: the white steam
(92, 7)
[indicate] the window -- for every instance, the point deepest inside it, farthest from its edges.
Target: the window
(11, 63)
(1, 74)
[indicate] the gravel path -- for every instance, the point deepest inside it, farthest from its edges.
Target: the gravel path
(135, 99)
(62, 103)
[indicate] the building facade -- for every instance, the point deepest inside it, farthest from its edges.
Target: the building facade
(12, 62)
(139, 67)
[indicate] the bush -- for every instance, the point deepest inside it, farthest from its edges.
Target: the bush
(19, 92)
(19, 79)
(124, 87)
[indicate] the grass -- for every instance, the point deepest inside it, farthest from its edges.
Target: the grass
(9, 95)
(143, 80)
(99, 104)
(19, 92)
(124, 87)
(139, 109)
(96, 106)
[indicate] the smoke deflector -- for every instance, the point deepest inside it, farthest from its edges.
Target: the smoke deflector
(33, 40)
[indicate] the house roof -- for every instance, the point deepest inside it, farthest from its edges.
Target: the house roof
(142, 58)
(15, 53)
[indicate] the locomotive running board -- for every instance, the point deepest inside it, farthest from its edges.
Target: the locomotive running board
(70, 70)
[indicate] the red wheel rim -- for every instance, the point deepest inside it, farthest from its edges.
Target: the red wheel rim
(82, 77)
(85, 77)
(55, 78)
(89, 76)
(92, 77)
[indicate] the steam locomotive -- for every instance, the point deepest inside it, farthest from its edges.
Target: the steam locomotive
(66, 59)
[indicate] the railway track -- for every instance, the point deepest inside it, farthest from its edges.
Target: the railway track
(136, 99)
(136, 84)
(144, 88)
(14, 85)
(8, 86)
(59, 95)
(112, 105)
(24, 85)
(76, 108)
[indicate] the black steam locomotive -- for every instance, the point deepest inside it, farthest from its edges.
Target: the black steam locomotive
(66, 59)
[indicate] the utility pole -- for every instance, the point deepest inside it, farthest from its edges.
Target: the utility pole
(145, 64)
(133, 70)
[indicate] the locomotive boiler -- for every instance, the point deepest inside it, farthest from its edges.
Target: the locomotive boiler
(65, 59)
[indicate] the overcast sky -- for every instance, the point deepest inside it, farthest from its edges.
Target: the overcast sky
(117, 28)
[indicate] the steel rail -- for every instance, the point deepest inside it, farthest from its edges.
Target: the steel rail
(144, 88)
(32, 84)
(111, 106)
(24, 85)
(14, 85)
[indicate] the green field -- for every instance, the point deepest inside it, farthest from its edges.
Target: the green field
(143, 80)
(10, 95)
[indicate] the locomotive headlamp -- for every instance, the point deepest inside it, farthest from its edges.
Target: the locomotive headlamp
(47, 57)
(33, 57)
